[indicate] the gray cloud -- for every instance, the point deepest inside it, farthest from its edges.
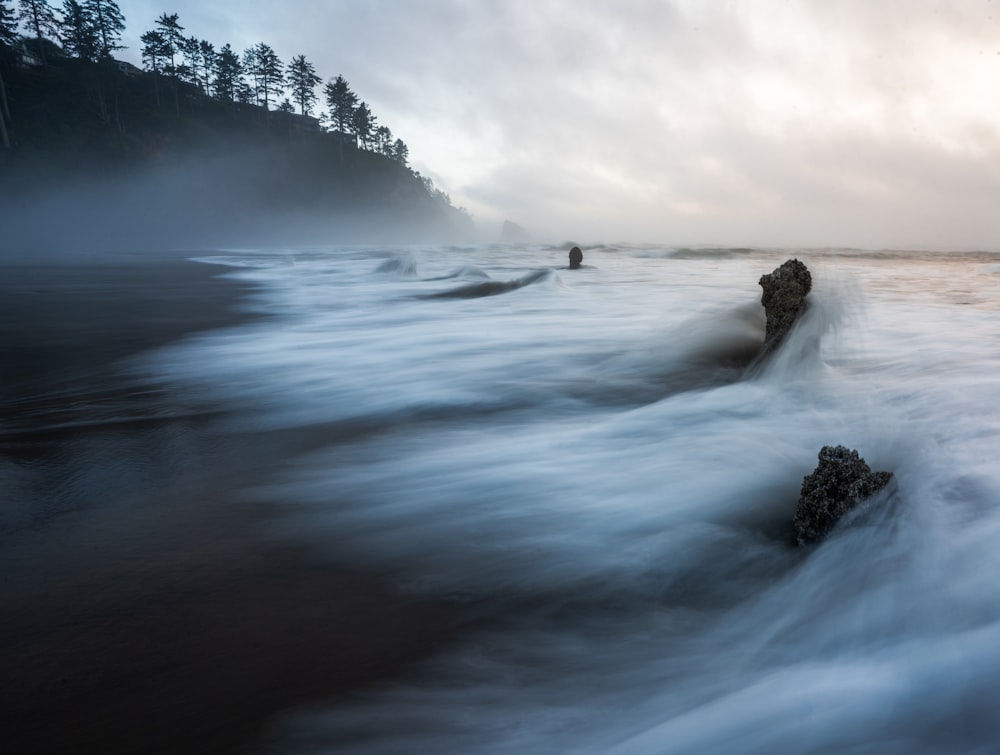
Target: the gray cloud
(773, 122)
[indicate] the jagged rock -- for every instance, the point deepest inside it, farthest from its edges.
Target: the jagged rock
(840, 482)
(784, 299)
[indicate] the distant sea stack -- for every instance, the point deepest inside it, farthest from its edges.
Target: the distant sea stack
(840, 482)
(513, 232)
(784, 299)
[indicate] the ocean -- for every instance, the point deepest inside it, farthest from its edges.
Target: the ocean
(593, 469)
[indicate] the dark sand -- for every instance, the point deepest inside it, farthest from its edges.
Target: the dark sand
(142, 607)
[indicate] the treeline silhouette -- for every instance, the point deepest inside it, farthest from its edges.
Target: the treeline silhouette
(258, 76)
(91, 31)
(246, 123)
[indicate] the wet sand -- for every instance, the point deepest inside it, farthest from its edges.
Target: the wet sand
(143, 608)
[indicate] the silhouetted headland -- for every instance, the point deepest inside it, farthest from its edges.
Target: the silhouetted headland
(101, 156)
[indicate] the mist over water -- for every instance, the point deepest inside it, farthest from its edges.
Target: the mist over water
(591, 463)
(234, 192)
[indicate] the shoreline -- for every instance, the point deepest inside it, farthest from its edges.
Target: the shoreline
(144, 607)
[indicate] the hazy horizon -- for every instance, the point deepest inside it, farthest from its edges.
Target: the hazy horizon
(771, 124)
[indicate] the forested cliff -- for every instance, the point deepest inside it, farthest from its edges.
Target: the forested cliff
(96, 152)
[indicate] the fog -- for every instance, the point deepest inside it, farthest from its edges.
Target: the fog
(771, 123)
(220, 195)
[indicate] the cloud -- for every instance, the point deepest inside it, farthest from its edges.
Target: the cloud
(778, 121)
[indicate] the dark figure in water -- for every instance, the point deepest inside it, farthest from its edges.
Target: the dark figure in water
(575, 258)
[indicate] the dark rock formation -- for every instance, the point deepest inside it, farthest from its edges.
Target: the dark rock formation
(840, 482)
(784, 299)
(575, 258)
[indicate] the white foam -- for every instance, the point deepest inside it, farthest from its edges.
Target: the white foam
(552, 451)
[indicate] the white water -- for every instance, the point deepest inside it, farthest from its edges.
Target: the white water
(579, 462)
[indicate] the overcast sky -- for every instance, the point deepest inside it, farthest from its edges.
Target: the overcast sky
(870, 123)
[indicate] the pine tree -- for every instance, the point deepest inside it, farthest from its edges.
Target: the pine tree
(155, 51)
(251, 68)
(244, 93)
(8, 26)
(341, 102)
(40, 18)
(264, 66)
(228, 71)
(79, 34)
(8, 37)
(383, 141)
(190, 69)
(272, 73)
(362, 122)
(109, 23)
(154, 58)
(400, 152)
(170, 29)
(302, 80)
(206, 55)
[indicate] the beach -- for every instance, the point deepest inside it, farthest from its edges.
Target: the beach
(372, 500)
(141, 610)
